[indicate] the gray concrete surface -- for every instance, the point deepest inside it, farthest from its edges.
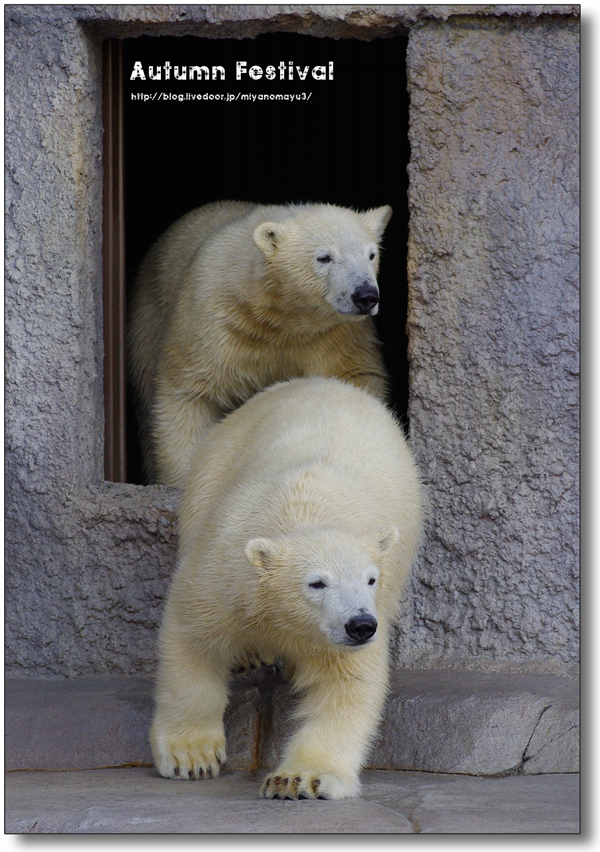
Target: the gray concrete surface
(136, 800)
(439, 721)
(79, 761)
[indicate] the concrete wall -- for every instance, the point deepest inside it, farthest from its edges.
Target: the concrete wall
(492, 324)
(493, 331)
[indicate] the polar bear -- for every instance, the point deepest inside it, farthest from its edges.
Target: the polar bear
(299, 524)
(235, 297)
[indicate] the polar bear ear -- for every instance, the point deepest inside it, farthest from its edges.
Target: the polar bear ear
(268, 237)
(261, 552)
(376, 220)
(386, 538)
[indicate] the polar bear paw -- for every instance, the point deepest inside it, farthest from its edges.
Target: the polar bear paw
(251, 661)
(308, 784)
(195, 760)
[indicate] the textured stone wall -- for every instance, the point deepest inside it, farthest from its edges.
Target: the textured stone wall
(493, 330)
(492, 325)
(87, 562)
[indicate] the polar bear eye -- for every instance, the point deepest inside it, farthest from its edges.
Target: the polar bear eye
(318, 584)
(372, 581)
(324, 258)
(372, 256)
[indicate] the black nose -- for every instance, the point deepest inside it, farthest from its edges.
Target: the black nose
(365, 298)
(361, 628)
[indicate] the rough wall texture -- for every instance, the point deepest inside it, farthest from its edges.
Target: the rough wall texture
(493, 330)
(492, 324)
(87, 562)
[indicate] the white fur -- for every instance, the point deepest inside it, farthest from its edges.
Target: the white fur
(234, 297)
(310, 481)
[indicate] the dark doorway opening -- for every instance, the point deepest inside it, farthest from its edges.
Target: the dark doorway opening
(346, 144)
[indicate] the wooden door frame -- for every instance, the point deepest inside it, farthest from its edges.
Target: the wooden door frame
(113, 264)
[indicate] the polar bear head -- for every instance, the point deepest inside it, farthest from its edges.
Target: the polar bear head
(325, 583)
(325, 254)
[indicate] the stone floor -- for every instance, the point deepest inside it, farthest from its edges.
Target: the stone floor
(135, 800)
(457, 752)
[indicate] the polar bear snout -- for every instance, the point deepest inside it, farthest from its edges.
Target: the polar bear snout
(365, 297)
(361, 628)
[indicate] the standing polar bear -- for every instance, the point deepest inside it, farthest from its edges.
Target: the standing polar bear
(234, 297)
(299, 524)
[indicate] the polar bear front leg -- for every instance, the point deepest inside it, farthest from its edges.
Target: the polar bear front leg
(187, 734)
(339, 713)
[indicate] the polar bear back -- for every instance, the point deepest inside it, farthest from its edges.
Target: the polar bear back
(313, 450)
(161, 273)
